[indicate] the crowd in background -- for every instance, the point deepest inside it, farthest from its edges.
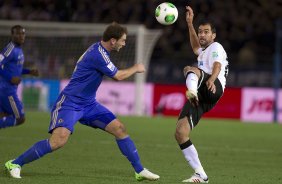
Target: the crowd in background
(246, 29)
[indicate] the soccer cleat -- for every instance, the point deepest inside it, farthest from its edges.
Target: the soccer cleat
(146, 175)
(14, 169)
(196, 178)
(192, 97)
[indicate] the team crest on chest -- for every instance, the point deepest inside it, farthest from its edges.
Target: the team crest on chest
(20, 59)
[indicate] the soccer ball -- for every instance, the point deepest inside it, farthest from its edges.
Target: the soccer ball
(166, 13)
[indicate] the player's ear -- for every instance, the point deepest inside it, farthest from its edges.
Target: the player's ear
(113, 41)
(213, 36)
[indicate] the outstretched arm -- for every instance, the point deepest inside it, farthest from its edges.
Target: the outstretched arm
(194, 40)
(126, 73)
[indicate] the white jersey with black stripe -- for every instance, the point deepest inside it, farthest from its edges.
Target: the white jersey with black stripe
(214, 53)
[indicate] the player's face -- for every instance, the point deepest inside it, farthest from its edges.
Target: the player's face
(120, 43)
(206, 36)
(18, 36)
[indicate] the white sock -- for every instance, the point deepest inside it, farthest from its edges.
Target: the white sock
(191, 155)
(192, 82)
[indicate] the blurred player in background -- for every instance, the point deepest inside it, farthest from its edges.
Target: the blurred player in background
(205, 86)
(77, 102)
(11, 70)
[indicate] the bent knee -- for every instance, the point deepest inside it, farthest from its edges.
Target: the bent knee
(117, 129)
(20, 121)
(189, 69)
(120, 130)
(59, 138)
(57, 143)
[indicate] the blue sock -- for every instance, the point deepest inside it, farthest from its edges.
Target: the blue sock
(7, 121)
(129, 150)
(38, 150)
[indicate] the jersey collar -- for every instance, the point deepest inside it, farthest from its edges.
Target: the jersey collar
(104, 48)
(207, 46)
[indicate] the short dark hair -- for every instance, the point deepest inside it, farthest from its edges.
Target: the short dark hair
(208, 22)
(16, 27)
(115, 31)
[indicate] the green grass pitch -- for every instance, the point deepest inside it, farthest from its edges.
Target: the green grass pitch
(231, 152)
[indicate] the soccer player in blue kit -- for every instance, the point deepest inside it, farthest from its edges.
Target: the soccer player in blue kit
(77, 102)
(11, 70)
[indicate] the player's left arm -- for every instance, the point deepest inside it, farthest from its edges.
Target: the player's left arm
(110, 70)
(125, 73)
(215, 72)
(216, 58)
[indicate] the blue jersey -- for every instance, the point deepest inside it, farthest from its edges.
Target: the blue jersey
(11, 64)
(88, 74)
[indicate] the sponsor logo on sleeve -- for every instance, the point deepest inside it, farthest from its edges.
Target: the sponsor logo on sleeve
(214, 55)
(111, 66)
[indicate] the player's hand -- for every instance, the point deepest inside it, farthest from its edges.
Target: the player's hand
(34, 72)
(189, 15)
(3, 114)
(16, 80)
(211, 86)
(140, 68)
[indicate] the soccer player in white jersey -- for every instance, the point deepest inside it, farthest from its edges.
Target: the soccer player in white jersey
(205, 86)
(77, 102)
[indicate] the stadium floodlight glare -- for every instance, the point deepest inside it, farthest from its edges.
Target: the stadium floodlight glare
(62, 42)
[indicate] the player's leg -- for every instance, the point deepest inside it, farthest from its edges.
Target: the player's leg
(61, 126)
(128, 149)
(100, 117)
(11, 109)
(186, 122)
(192, 75)
(57, 140)
(125, 144)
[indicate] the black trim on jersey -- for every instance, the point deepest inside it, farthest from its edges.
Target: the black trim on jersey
(207, 46)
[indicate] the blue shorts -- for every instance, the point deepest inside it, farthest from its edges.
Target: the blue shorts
(66, 113)
(11, 105)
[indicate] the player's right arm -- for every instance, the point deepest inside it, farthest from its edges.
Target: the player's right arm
(194, 40)
(126, 73)
(15, 80)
